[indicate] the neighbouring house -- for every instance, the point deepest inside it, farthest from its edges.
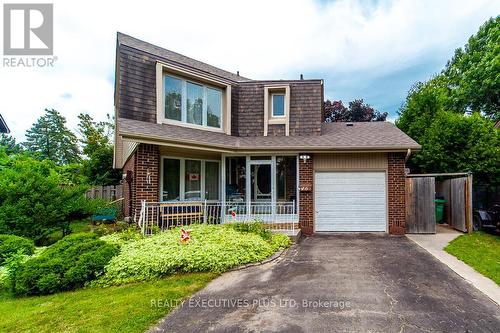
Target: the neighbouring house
(198, 142)
(3, 126)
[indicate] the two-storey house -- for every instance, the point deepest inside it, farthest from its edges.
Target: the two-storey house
(198, 142)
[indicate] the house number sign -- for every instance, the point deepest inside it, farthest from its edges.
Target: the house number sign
(305, 187)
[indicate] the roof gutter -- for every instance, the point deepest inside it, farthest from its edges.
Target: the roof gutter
(149, 139)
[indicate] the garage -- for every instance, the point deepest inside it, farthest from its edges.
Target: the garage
(350, 201)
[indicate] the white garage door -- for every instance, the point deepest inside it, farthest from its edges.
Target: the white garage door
(350, 201)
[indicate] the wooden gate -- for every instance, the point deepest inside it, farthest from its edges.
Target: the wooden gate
(458, 206)
(420, 214)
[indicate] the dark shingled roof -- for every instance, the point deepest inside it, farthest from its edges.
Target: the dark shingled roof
(334, 136)
(176, 58)
(3, 126)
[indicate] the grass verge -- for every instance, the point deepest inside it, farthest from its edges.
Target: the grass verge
(479, 250)
(126, 308)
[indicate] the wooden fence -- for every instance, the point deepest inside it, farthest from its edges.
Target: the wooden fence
(108, 193)
(420, 217)
(421, 190)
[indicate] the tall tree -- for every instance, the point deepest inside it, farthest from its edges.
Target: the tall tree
(49, 138)
(473, 73)
(451, 114)
(8, 142)
(97, 147)
(357, 111)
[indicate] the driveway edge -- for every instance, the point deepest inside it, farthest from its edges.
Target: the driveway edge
(436, 248)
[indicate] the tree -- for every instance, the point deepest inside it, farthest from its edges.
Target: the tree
(424, 101)
(49, 138)
(472, 73)
(451, 115)
(460, 143)
(357, 111)
(96, 142)
(8, 142)
(33, 202)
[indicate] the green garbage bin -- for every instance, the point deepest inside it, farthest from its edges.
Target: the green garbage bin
(439, 204)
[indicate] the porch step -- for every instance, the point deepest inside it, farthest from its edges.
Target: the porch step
(294, 235)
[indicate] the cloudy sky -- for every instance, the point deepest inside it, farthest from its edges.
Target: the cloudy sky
(373, 50)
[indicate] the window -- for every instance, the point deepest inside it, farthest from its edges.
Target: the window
(211, 180)
(171, 181)
(278, 105)
(214, 107)
(187, 179)
(286, 178)
(173, 98)
(192, 180)
(192, 103)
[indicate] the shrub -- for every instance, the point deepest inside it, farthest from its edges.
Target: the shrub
(256, 227)
(68, 264)
(10, 244)
(212, 248)
(121, 238)
(33, 202)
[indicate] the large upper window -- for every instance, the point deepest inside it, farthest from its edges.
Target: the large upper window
(192, 103)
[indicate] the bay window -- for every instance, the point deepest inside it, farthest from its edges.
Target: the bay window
(192, 102)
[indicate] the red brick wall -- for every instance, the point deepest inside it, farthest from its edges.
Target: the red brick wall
(306, 199)
(396, 193)
(147, 165)
(129, 190)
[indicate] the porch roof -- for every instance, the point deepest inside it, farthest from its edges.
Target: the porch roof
(334, 136)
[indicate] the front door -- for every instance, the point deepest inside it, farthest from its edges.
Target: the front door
(261, 187)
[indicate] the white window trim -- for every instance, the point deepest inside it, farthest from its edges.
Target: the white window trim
(182, 174)
(284, 105)
(269, 119)
(163, 69)
(204, 111)
(248, 163)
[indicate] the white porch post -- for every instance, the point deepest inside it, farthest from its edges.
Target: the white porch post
(223, 187)
(273, 187)
(248, 185)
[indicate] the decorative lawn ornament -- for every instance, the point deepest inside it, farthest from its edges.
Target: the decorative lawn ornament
(185, 235)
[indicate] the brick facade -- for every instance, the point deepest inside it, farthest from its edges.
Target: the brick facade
(306, 197)
(396, 193)
(129, 188)
(145, 165)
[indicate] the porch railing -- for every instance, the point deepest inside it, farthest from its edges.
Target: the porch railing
(278, 217)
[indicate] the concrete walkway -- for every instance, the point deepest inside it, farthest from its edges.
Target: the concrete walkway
(435, 243)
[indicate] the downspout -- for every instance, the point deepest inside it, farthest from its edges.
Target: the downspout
(408, 153)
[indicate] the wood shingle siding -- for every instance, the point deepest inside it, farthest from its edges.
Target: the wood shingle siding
(137, 85)
(305, 108)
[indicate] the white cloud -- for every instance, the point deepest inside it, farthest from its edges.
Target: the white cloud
(261, 39)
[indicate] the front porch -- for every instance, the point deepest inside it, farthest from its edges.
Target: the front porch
(187, 187)
(278, 217)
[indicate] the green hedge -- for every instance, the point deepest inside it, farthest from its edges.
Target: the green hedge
(10, 244)
(68, 264)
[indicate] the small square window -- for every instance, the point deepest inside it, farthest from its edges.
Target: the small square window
(278, 105)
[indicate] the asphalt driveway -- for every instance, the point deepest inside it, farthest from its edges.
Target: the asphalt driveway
(340, 283)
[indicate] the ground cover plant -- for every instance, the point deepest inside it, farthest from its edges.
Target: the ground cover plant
(212, 248)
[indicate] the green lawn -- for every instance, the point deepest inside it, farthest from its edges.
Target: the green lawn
(125, 308)
(479, 250)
